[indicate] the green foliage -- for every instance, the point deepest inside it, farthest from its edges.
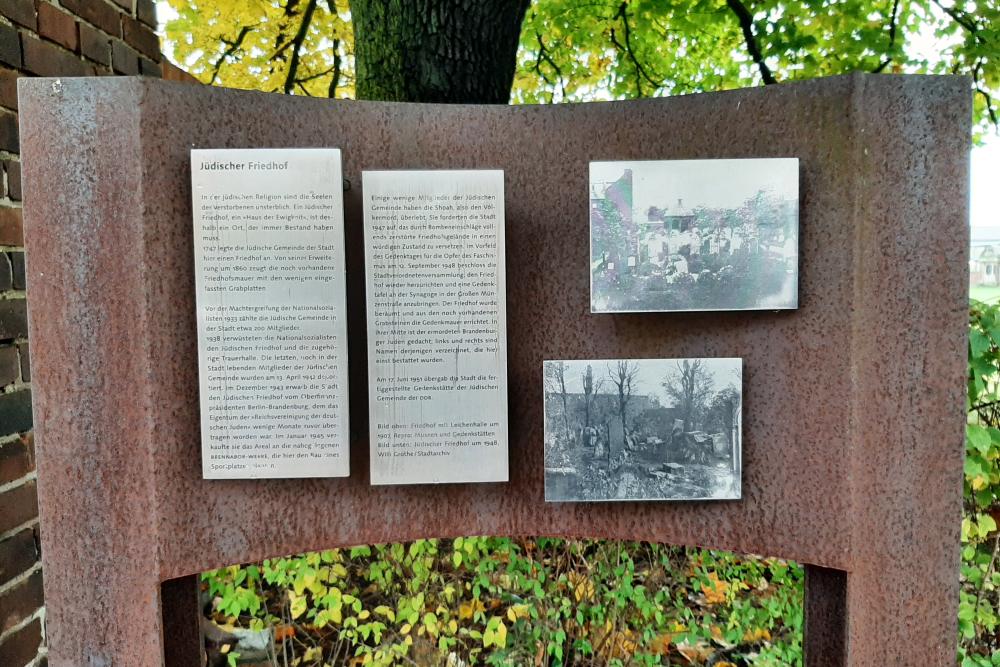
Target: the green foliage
(262, 44)
(572, 51)
(979, 612)
(497, 601)
(609, 49)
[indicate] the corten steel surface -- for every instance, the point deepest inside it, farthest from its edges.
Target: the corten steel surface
(853, 412)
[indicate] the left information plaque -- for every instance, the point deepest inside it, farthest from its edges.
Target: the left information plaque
(272, 337)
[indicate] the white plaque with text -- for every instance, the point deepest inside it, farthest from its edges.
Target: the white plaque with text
(437, 326)
(272, 338)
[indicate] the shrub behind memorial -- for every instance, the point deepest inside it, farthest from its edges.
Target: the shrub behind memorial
(499, 601)
(979, 611)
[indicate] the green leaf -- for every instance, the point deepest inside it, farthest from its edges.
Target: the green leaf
(297, 604)
(979, 438)
(979, 343)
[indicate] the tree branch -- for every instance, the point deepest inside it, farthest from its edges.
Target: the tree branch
(892, 38)
(233, 48)
(317, 75)
(962, 19)
(543, 54)
(640, 71)
(300, 37)
(279, 40)
(990, 108)
(335, 81)
(989, 568)
(991, 111)
(974, 29)
(746, 25)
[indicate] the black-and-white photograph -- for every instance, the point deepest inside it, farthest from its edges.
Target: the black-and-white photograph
(643, 429)
(683, 235)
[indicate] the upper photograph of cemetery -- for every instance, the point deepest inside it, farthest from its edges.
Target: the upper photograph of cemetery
(694, 235)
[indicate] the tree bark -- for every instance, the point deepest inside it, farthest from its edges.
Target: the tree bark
(460, 51)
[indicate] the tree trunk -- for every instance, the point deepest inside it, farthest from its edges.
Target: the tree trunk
(621, 409)
(566, 417)
(460, 51)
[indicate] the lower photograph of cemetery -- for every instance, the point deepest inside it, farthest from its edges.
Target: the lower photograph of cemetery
(643, 429)
(503, 601)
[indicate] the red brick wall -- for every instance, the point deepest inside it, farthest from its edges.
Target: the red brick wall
(41, 38)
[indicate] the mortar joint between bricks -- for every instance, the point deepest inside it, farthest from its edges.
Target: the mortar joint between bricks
(29, 524)
(7, 439)
(21, 578)
(29, 477)
(23, 624)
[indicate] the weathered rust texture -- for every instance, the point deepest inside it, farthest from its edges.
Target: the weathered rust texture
(854, 403)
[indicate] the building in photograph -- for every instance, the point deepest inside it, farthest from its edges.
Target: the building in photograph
(984, 265)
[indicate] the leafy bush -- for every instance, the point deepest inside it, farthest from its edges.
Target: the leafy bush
(980, 596)
(498, 601)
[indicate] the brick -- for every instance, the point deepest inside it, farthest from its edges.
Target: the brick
(21, 601)
(21, 647)
(95, 44)
(98, 13)
(47, 59)
(57, 26)
(141, 37)
(16, 461)
(127, 5)
(10, 46)
(8, 88)
(13, 324)
(18, 505)
(148, 68)
(26, 376)
(6, 279)
(10, 364)
(18, 280)
(145, 10)
(9, 133)
(124, 60)
(13, 170)
(15, 417)
(21, 12)
(11, 226)
(17, 554)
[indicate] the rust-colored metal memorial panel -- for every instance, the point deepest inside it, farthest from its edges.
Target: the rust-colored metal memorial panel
(853, 415)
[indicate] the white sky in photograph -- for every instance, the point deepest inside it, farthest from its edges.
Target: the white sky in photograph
(711, 183)
(652, 372)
